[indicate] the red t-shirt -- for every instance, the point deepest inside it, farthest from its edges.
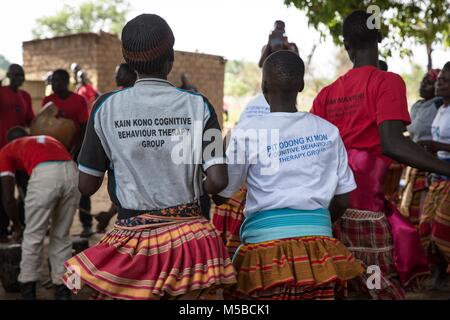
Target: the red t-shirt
(74, 107)
(359, 101)
(15, 110)
(89, 93)
(26, 153)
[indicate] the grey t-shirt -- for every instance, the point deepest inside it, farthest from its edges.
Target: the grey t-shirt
(422, 116)
(150, 139)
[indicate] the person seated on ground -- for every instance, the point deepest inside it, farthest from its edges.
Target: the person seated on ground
(125, 76)
(156, 190)
(293, 196)
(422, 115)
(277, 41)
(434, 224)
(52, 198)
(74, 107)
(85, 89)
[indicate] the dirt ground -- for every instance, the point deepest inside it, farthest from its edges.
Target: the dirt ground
(101, 202)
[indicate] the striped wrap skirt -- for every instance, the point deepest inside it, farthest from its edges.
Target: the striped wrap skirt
(167, 254)
(228, 218)
(434, 227)
(413, 195)
(303, 268)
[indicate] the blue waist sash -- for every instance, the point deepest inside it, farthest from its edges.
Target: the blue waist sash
(285, 223)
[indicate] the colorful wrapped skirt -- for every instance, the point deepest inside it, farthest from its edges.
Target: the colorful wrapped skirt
(293, 269)
(434, 227)
(172, 254)
(368, 236)
(228, 218)
(413, 195)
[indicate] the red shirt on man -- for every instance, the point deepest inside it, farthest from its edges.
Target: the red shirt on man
(15, 110)
(74, 108)
(89, 93)
(359, 101)
(27, 152)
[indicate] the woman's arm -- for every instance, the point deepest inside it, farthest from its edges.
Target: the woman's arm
(216, 179)
(88, 185)
(338, 205)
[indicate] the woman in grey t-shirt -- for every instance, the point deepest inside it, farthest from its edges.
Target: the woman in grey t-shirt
(422, 116)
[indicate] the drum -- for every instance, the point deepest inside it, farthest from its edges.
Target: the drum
(47, 123)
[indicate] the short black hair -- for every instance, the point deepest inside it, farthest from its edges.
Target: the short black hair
(14, 66)
(16, 133)
(126, 67)
(284, 70)
(383, 65)
(356, 32)
(147, 43)
(62, 73)
(446, 66)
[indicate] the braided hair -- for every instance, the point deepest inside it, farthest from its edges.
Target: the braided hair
(285, 70)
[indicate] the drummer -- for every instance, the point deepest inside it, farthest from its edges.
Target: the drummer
(52, 195)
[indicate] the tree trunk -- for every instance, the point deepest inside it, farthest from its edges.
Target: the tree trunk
(430, 60)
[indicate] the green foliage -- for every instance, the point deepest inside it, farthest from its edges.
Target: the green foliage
(418, 21)
(89, 16)
(242, 79)
(412, 81)
(4, 63)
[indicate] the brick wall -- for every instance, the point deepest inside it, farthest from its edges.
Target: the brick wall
(99, 54)
(41, 56)
(36, 89)
(206, 72)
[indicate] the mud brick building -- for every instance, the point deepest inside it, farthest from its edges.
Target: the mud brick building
(99, 54)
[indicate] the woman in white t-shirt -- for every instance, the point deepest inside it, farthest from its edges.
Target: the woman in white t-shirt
(295, 167)
(434, 225)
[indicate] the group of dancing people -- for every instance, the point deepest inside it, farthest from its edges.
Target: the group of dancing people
(300, 207)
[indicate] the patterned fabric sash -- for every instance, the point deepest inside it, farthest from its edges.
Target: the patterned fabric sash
(163, 217)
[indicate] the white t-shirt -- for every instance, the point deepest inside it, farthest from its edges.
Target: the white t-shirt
(288, 160)
(258, 106)
(440, 129)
